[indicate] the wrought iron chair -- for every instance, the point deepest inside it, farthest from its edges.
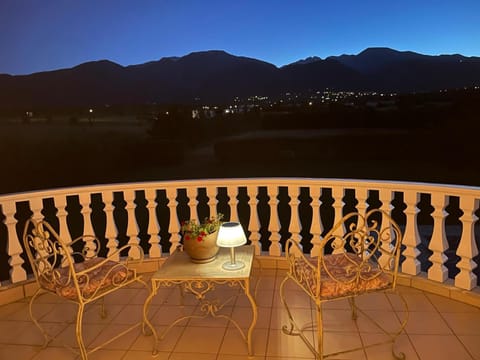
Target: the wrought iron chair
(358, 256)
(81, 277)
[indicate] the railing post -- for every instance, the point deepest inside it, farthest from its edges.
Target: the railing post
(385, 197)
(36, 205)
(153, 226)
(61, 204)
(86, 210)
(212, 200)
(337, 195)
(254, 221)
(316, 227)
(132, 224)
(438, 243)
(192, 203)
(111, 229)
(14, 248)
(467, 248)
(174, 223)
(233, 202)
(411, 238)
(275, 248)
(361, 194)
(295, 225)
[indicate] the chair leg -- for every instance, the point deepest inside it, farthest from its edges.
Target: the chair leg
(79, 332)
(401, 355)
(289, 329)
(293, 329)
(351, 301)
(319, 331)
(47, 337)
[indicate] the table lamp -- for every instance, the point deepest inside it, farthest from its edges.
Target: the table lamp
(231, 235)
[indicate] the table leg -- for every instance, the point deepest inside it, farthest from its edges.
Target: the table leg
(147, 322)
(254, 317)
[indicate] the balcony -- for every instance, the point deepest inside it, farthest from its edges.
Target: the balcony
(439, 262)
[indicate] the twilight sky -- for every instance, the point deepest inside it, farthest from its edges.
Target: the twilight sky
(41, 35)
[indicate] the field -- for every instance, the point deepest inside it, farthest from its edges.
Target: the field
(43, 155)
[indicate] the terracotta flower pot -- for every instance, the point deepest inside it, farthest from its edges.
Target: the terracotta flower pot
(202, 251)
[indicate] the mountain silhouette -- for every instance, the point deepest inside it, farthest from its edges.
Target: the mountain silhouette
(217, 76)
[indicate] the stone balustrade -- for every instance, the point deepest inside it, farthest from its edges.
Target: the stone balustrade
(438, 221)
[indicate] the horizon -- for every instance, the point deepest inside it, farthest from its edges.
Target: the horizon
(220, 50)
(39, 37)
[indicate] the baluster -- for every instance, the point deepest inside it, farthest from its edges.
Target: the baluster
(295, 224)
(153, 225)
(411, 238)
(14, 248)
(361, 194)
(316, 227)
(438, 244)
(337, 194)
(385, 196)
(467, 248)
(132, 225)
(233, 203)
(254, 221)
(36, 205)
(212, 200)
(274, 226)
(86, 210)
(111, 229)
(174, 223)
(192, 203)
(61, 204)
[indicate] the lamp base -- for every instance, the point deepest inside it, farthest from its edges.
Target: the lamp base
(233, 266)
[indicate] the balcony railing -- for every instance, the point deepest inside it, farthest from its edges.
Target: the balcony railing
(438, 221)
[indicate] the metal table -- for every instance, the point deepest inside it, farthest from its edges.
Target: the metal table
(199, 279)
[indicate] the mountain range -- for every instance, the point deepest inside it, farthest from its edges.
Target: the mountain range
(216, 76)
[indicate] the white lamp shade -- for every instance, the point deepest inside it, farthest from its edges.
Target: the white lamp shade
(231, 234)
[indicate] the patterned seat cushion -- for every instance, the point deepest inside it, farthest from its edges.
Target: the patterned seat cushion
(341, 275)
(95, 282)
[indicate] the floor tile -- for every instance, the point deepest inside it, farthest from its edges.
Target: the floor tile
(426, 323)
(472, 344)
(197, 340)
(280, 344)
(388, 320)
(294, 299)
(53, 352)
(443, 304)
(145, 355)
(415, 302)
(18, 352)
(463, 323)
(234, 344)
(341, 341)
(439, 347)
(384, 351)
(280, 318)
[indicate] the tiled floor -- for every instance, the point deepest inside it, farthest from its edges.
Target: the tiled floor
(438, 328)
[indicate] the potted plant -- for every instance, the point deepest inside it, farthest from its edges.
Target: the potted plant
(200, 238)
